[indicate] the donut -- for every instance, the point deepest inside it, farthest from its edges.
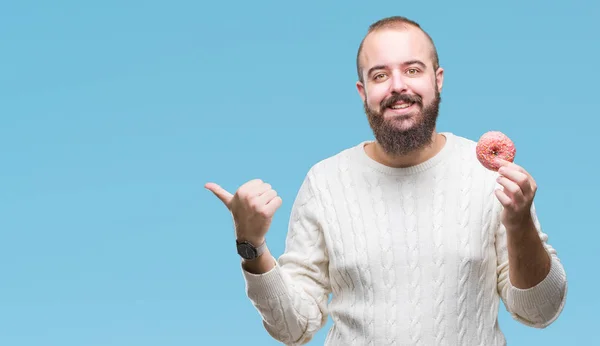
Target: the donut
(492, 145)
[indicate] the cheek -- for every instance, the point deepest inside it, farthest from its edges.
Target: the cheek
(426, 90)
(375, 95)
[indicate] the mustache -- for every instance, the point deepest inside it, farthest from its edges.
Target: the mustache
(401, 98)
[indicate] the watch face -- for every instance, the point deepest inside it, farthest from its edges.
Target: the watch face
(246, 251)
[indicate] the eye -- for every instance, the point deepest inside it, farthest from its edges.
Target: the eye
(412, 71)
(379, 76)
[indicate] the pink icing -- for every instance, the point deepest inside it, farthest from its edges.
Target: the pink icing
(492, 145)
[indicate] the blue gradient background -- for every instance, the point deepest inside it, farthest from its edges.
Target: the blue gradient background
(113, 115)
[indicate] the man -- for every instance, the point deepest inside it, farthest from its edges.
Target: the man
(414, 238)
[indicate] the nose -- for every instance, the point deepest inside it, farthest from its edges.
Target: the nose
(398, 84)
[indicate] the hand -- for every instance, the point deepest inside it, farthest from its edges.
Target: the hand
(252, 208)
(517, 195)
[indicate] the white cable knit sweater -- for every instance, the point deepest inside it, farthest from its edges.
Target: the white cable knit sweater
(413, 256)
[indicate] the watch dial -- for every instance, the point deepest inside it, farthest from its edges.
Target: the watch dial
(247, 252)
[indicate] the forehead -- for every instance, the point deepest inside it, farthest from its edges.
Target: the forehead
(395, 46)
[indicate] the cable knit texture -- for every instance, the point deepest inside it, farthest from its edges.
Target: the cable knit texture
(410, 256)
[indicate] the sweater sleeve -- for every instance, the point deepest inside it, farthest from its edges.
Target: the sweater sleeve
(537, 306)
(292, 297)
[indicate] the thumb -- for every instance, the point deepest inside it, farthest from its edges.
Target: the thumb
(220, 192)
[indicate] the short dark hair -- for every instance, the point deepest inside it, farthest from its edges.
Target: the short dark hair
(394, 22)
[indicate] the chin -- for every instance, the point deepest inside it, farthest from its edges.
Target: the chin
(402, 121)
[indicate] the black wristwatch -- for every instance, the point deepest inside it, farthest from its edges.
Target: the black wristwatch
(248, 251)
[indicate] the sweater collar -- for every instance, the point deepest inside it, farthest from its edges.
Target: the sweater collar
(364, 159)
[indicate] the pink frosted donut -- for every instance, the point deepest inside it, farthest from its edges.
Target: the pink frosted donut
(492, 145)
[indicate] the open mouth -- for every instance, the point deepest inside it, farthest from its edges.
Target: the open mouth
(399, 106)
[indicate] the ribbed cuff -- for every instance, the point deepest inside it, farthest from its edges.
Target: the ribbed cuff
(547, 291)
(264, 286)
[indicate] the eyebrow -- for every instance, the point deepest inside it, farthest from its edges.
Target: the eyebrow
(410, 62)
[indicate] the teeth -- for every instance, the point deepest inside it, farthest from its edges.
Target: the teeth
(401, 106)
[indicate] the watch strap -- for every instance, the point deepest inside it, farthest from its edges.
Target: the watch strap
(261, 248)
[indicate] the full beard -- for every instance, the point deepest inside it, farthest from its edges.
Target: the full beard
(395, 141)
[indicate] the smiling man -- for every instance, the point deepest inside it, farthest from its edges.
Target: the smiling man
(414, 239)
(400, 83)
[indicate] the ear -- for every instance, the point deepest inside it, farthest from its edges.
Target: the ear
(361, 91)
(439, 78)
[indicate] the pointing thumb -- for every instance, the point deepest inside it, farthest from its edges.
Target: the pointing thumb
(220, 192)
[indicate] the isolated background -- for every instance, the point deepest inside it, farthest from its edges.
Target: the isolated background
(113, 115)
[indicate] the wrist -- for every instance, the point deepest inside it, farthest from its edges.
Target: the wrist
(250, 250)
(261, 265)
(523, 228)
(256, 242)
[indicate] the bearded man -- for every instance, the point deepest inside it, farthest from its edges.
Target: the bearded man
(414, 239)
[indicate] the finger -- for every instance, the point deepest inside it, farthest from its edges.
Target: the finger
(259, 190)
(266, 197)
(254, 192)
(273, 205)
(220, 192)
(511, 189)
(249, 185)
(248, 189)
(518, 177)
(531, 185)
(507, 164)
(503, 198)
(501, 162)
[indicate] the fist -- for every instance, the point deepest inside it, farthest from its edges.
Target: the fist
(252, 208)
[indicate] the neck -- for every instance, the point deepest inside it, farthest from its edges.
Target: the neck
(376, 152)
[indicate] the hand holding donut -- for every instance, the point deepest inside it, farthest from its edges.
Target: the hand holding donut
(496, 152)
(517, 195)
